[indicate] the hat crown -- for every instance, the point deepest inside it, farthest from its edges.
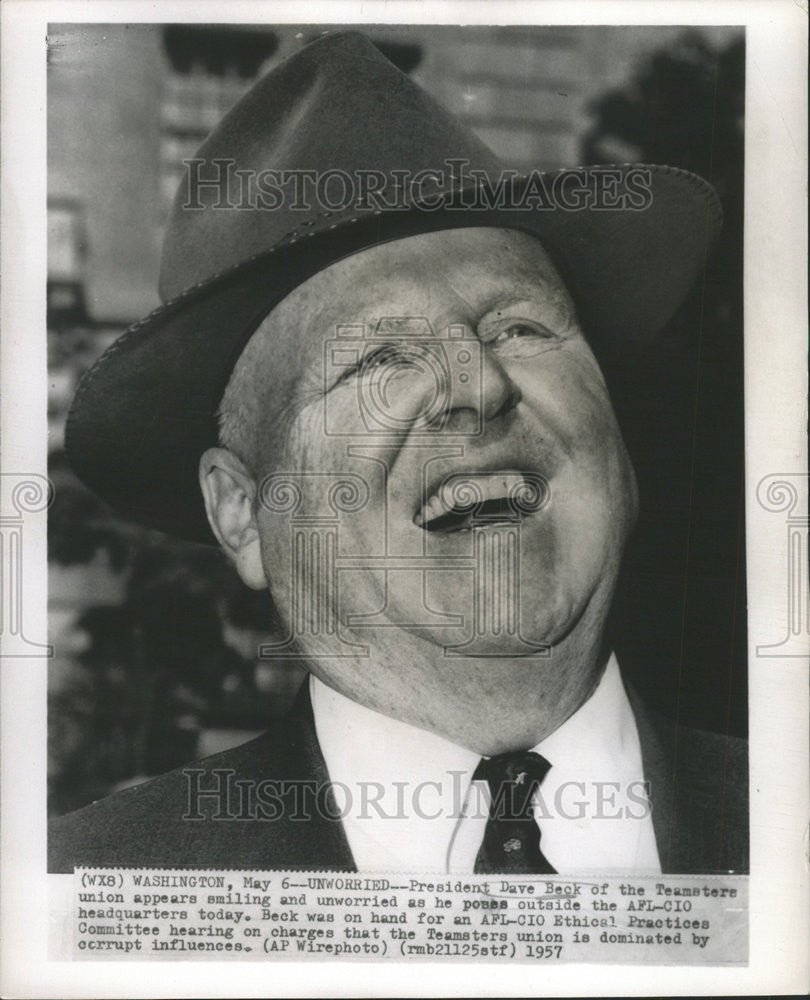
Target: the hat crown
(336, 105)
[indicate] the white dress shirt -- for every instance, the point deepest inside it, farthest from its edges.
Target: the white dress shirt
(409, 803)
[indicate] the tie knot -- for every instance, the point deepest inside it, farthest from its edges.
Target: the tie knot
(513, 779)
(523, 767)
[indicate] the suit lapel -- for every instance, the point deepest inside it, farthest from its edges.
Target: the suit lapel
(320, 842)
(658, 755)
(698, 786)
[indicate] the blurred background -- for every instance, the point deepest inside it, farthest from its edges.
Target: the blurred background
(155, 640)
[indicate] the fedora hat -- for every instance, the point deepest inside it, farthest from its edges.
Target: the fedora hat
(332, 152)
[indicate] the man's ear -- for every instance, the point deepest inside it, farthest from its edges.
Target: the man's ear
(229, 491)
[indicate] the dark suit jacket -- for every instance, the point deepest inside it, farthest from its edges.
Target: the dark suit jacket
(269, 807)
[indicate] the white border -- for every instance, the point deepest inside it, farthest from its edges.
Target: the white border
(776, 383)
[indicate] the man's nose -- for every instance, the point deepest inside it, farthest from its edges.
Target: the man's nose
(479, 389)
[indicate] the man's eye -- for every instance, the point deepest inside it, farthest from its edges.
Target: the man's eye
(521, 339)
(519, 331)
(388, 358)
(375, 360)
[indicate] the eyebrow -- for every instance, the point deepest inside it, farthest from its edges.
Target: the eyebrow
(559, 301)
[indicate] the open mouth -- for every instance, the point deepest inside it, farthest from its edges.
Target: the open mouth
(465, 501)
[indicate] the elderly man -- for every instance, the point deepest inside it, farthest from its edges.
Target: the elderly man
(378, 364)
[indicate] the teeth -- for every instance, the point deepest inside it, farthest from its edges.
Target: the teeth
(433, 508)
(467, 490)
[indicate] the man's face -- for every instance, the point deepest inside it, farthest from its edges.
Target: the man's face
(438, 376)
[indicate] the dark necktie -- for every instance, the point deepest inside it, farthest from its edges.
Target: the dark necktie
(511, 842)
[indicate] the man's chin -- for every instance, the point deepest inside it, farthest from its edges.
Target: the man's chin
(531, 634)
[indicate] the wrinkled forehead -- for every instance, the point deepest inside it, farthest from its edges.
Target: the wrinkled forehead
(447, 276)
(431, 272)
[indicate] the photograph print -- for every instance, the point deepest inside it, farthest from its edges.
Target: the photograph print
(396, 434)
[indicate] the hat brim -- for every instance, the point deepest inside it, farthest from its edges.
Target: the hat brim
(146, 411)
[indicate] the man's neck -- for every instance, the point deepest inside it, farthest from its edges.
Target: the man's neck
(487, 705)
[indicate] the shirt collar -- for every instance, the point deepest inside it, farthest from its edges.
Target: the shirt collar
(601, 730)
(401, 789)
